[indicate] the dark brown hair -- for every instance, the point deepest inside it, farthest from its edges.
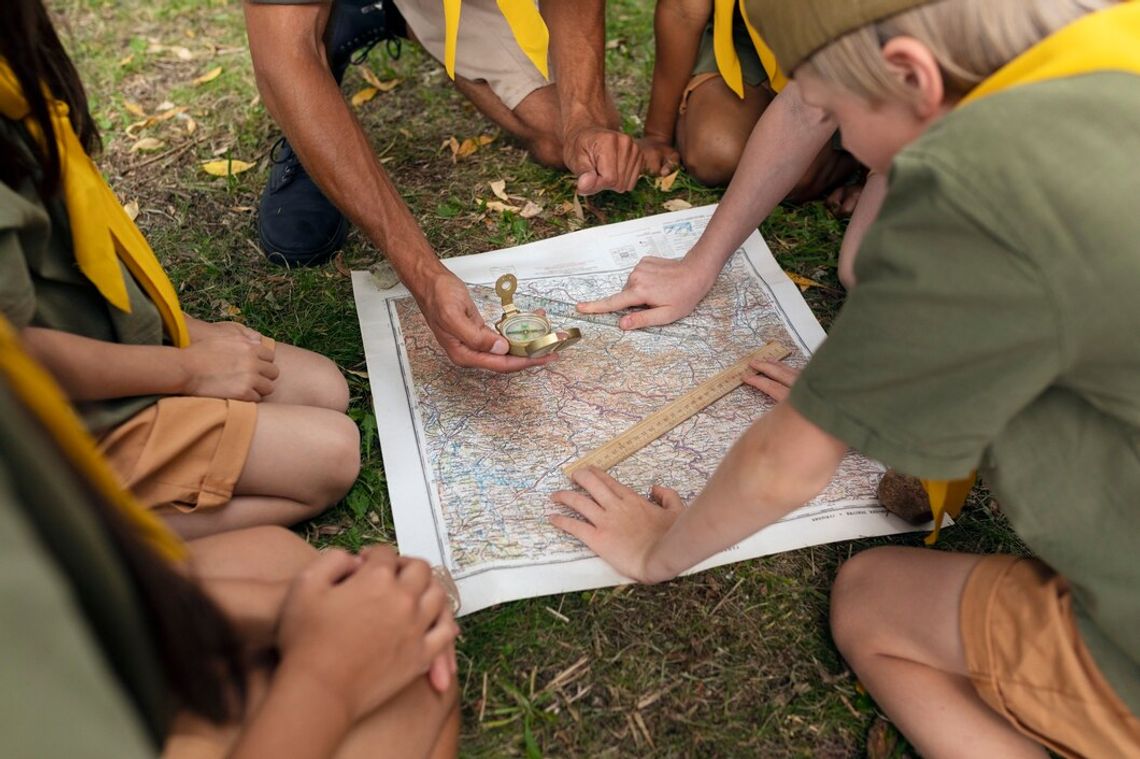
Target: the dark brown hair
(34, 52)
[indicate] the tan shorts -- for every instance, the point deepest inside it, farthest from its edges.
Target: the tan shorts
(183, 452)
(1028, 662)
(485, 51)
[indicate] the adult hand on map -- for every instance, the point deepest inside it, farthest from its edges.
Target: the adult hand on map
(621, 526)
(361, 628)
(775, 380)
(668, 289)
(461, 331)
(603, 159)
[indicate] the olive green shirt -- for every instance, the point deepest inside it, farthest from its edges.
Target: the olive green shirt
(41, 286)
(78, 673)
(996, 325)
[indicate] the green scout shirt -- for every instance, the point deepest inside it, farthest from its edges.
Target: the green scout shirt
(41, 286)
(995, 325)
(79, 675)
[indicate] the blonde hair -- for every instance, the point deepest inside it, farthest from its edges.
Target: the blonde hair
(970, 39)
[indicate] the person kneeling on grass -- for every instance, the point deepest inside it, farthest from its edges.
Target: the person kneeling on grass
(993, 327)
(193, 416)
(255, 645)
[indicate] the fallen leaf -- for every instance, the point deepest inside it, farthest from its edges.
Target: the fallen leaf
(388, 86)
(665, 183)
(466, 148)
(341, 266)
(530, 210)
(676, 204)
(181, 53)
(384, 275)
(191, 125)
(147, 144)
(486, 139)
(500, 207)
(255, 100)
(405, 132)
(615, 43)
(165, 105)
(132, 128)
(452, 143)
(209, 76)
(369, 77)
(499, 187)
(579, 214)
(803, 282)
(363, 96)
(169, 113)
(127, 60)
(226, 168)
(134, 109)
(132, 209)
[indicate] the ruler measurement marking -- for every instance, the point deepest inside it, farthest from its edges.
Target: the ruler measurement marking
(670, 415)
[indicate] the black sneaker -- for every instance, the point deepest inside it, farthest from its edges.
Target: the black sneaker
(297, 224)
(357, 26)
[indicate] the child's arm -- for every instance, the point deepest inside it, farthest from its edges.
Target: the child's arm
(783, 144)
(780, 463)
(234, 367)
(677, 29)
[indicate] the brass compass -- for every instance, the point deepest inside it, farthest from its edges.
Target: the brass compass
(529, 334)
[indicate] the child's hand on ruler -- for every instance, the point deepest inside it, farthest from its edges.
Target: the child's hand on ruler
(620, 526)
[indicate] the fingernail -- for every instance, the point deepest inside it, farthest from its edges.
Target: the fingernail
(500, 348)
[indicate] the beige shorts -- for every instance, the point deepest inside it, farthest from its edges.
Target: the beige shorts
(1028, 662)
(485, 51)
(183, 452)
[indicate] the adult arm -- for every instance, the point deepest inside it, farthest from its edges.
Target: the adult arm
(782, 146)
(297, 86)
(781, 462)
(602, 157)
(677, 29)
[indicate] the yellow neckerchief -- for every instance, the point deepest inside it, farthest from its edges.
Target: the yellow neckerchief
(45, 401)
(522, 17)
(1107, 40)
(727, 61)
(102, 234)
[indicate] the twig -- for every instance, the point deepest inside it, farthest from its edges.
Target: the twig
(164, 155)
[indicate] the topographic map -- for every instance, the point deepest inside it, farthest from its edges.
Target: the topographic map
(472, 458)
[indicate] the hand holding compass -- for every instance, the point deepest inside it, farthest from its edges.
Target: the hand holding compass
(528, 333)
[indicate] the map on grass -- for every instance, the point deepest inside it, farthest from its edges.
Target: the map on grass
(472, 458)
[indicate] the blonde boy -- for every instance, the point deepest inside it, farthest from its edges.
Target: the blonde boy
(994, 326)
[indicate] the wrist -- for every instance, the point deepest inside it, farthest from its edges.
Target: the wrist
(319, 695)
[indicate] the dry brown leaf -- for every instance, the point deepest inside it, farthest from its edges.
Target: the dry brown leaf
(191, 125)
(132, 128)
(127, 60)
(147, 144)
(226, 167)
(486, 139)
(665, 183)
(615, 43)
(168, 113)
(499, 187)
(132, 209)
(530, 210)
(387, 86)
(209, 76)
(579, 214)
(803, 282)
(369, 77)
(452, 143)
(676, 204)
(181, 53)
(363, 96)
(501, 207)
(134, 109)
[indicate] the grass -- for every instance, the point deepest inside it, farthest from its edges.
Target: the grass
(733, 662)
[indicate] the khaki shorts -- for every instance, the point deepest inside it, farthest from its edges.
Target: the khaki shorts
(1028, 662)
(485, 51)
(183, 452)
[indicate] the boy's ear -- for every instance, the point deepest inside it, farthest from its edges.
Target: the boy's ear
(918, 71)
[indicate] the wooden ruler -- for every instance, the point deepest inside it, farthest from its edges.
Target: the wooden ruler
(669, 416)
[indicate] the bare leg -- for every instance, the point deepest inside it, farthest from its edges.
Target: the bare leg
(866, 211)
(307, 379)
(263, 554)
(301, 461)
(894, 616)
(715, 127)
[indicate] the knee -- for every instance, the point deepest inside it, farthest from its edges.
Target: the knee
(286, 546)
(712, 154)
(340, 460)
(857, 589)
(546, 150)
(329, 388)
